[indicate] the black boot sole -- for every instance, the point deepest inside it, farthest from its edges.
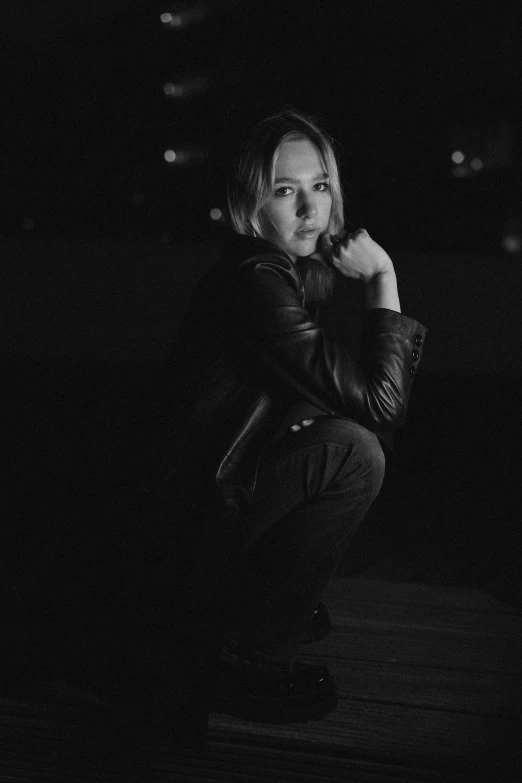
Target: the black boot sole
(275, 714)
(248, 692)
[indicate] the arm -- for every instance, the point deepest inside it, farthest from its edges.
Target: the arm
(358, 256)
(280, 342)
(381, 291)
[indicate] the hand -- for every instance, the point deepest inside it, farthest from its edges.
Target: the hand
(356, 255)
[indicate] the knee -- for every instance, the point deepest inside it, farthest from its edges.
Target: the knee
(368, 457)
(373, 462)
(364, 460)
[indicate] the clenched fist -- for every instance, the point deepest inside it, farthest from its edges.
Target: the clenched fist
(356, 255)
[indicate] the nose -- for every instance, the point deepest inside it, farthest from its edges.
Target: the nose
(307, 206)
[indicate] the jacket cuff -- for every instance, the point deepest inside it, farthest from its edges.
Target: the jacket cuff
(412, 333)
(380, 316)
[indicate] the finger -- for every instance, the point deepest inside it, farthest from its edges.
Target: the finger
(341, 236)
(327, 241)
(328, 245)
(332, 241)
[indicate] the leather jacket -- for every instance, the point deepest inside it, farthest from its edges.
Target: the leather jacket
(250, 350)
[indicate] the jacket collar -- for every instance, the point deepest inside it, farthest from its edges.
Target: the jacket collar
(245, 246)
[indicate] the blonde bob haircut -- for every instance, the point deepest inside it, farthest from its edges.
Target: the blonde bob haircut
(253, 171)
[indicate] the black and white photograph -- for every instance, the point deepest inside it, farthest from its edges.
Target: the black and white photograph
(261, 410)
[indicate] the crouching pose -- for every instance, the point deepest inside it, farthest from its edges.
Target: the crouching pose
(285, 422)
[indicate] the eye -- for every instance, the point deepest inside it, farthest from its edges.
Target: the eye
(323, 186)
(285, 187)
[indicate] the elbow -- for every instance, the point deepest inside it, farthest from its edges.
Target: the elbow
(386, 411)
(387, 423)
(398, 418)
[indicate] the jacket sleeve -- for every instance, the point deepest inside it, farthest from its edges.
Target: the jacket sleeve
(277, 334)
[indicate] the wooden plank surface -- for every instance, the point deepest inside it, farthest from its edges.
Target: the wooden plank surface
(353, 592)
(430, 676)
(418, 647)
(418, 686)
(429, 681)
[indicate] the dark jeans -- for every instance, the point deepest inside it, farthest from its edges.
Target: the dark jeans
(313, 490)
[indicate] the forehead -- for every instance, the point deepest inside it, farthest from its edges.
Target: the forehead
(298, 158)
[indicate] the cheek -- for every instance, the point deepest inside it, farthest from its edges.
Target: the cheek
(328, 205)
(277, 218)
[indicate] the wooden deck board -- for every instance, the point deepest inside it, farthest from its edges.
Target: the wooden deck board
(432, 688)
(387, 732)
(427, 675)
(430, 691)
(353, 592)
(388, 645)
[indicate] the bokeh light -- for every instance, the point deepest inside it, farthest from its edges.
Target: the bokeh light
(216, 214)
(173, 89)
(476, 164)
(170, 156)
(171, 21)
(186, 15)
(512, 243)
(187, 87)
(458, 157)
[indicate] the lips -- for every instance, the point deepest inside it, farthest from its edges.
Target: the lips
(306, 232)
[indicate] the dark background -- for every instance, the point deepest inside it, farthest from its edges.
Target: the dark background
(400, 85)
(103, 240)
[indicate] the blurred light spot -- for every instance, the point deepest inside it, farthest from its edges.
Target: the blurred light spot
(173, 89)
(171, 21)
(188, 87)
(187, 157)
(476, 164)
(28, 224)
(461, 171)
(185, 16)
(138, 197)
(457, 157)
(512, 243)
(216, 214)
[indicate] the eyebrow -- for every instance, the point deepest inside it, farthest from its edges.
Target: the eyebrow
(322, 175)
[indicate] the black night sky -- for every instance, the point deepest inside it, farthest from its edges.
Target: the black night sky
(401, 86)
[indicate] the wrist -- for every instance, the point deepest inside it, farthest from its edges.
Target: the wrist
(381, 275)
(381, 291)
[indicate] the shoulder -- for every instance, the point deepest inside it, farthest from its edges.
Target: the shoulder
(253, 268)
(241, 248)
(257, 257)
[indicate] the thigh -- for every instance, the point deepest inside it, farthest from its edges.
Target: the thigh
(319, 448)
(299, 467)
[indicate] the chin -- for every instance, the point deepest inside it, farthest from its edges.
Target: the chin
(302, 249)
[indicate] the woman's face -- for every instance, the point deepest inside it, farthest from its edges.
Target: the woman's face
(298, 208)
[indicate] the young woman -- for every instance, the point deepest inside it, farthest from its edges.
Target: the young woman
(284, 421)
